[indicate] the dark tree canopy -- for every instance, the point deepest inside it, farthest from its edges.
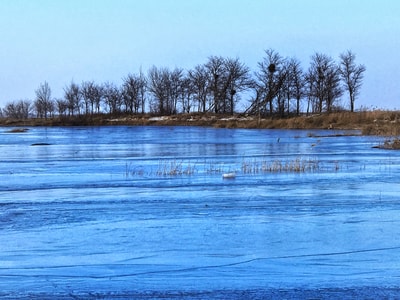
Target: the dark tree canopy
(352, 75)
(280, 86)
(323, 82)
(43, 102)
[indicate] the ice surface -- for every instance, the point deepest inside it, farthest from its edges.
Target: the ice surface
(98, 212)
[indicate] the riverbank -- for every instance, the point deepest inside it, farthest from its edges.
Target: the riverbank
(385, 123)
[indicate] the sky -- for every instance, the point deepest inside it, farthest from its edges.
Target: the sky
(60, 41)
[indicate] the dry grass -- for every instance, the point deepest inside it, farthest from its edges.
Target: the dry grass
(298, 165)
(17, 130)
(376, 122)
(173, 168)
(390, 144)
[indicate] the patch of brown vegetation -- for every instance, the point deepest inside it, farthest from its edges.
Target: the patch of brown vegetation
(390, 144)
(375, 122)
(17, 130)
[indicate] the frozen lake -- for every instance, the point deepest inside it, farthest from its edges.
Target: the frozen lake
(144, 212)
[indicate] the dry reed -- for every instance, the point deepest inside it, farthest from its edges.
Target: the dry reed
(175, 168)
(171, 168)
(298, 165)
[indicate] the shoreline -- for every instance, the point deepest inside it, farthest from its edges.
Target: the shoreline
(385, 123)
(382, 123)
(378, 123)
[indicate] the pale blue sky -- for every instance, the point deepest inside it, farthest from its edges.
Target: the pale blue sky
(104, 40)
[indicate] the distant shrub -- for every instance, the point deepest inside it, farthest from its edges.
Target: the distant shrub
(368, 130)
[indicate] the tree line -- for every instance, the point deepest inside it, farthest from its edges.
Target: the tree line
(279, 86)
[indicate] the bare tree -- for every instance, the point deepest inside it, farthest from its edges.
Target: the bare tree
(158, 81)
(228, 78)
(175, 89)
(323, 81)
(352, 75)
(292, 87)
(43, 103)
(133, 92)
(18, 110)
(201, 84)
(238, 80)
(186, 95)
(25, 108)
(271, 76)
(10, 110)
(130, 93)
(51, 108)
(112, 97)
(166, 88)
(96, 98)
(285, 94)
(334, 89)
(72, 96)
(216, 69)
(297, 82)
(61, 106)
(142, 90)
(87, 91)
(92, 94)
